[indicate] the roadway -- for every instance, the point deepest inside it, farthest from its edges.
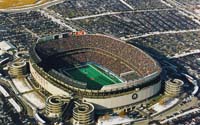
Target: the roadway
(56, 18)
(15, 93)
(116, 13)
(14, 96)
(161, 33)
(126, 4)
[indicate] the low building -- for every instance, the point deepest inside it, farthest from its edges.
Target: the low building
(6, 46)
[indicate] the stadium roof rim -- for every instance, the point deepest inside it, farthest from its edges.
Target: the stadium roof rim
(147, 78)
(156, 64)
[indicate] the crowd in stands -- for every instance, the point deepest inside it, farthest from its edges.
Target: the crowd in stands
(134, 57)
(107, 61)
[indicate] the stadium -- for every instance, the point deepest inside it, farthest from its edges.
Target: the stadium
(107, 72)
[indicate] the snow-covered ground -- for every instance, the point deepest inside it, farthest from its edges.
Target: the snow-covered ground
(35, 99)
(31, 96)
(115, 120)
(162, 107)
(21, 85)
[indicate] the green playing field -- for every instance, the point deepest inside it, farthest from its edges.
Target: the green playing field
(94, 76)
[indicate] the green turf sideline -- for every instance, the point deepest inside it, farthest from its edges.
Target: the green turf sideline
(112, 75)
(93, 75)
(102, 73)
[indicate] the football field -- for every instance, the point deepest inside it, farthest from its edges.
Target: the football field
(93, 75)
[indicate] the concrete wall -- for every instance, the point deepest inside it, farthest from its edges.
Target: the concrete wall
(45, 84)
(124, 100)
